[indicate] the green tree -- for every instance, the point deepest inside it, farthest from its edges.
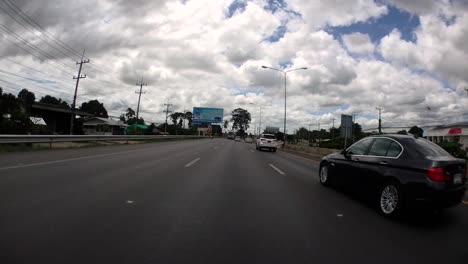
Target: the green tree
(415, 130)
(189, 117)
(53, 101)
(129, 113)
(240, 119)
(226, 124)
(357, 131)
(95, 108)
(27, 97)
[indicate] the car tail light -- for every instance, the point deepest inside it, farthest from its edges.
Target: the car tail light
(437, 174)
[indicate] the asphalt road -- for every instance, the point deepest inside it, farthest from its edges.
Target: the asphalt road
(205, 201)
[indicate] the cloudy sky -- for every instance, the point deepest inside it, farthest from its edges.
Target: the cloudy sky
(409, 57)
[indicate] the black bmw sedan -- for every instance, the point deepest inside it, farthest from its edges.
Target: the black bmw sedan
(397, 171)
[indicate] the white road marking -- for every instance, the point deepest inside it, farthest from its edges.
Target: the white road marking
(191, 163)
(253, 151)
(339, 215)
(129, 202)
(66, 160)
(276, 169)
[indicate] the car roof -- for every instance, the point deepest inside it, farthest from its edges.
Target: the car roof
(395, 136)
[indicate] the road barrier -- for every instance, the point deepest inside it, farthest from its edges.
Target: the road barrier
(24, 139)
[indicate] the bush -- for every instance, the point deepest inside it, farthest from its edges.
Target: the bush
(454, 149)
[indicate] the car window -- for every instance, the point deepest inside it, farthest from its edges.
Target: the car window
(269, 136)
(360, 148)
(427, 148)
(380, 147)
(394, 150)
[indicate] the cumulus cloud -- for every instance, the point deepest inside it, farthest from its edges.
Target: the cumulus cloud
(191, 53)
(358, 43)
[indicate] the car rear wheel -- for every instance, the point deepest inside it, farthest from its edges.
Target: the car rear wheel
(390, 199)
(324, 175)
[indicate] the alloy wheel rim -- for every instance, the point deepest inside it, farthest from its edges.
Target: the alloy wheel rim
(324, 174)
(389, 199)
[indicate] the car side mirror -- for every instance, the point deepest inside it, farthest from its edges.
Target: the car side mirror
(345, 153)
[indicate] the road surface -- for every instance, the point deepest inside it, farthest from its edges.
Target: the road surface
(202, 201)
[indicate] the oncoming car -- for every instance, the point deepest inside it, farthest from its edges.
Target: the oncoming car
(397, 172)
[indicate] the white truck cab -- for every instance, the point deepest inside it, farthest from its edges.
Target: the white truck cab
(267, 141)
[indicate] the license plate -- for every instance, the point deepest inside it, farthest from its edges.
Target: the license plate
(457, 178)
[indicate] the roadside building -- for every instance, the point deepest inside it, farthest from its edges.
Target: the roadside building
(457, 132)
(103, 126)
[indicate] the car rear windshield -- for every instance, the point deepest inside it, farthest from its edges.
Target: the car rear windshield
(429, 149)
(269, 136)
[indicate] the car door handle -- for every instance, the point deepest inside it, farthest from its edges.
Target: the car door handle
(383, 163)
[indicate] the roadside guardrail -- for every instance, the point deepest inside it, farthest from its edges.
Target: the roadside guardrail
(24, 139)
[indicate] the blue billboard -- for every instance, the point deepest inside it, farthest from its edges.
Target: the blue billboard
(205, 115)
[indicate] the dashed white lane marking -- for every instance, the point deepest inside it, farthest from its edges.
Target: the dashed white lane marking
(191, 163)
(129, 202)
(276, 169)
(339, 215)
(252, 150)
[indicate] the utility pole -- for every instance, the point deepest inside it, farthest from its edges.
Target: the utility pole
(141, 84)
(333, 128)
(319, 133)
(380, 119)
(309, 134)
(72, 119)
(167, 113)
(352, 131)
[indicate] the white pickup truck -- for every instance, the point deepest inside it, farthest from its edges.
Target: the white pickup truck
(267, 141)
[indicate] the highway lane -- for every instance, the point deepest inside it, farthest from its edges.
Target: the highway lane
(208, 201)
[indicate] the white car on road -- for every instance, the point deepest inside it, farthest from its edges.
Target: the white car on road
(267, 141)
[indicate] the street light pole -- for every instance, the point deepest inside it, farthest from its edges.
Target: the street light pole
(260, 121)
(285, 84)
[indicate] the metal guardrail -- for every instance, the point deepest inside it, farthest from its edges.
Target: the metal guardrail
(21, 139)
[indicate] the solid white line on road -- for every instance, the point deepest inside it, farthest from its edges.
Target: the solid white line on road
(72, 159)
(276, 169)
(284, 152)
(191, 163)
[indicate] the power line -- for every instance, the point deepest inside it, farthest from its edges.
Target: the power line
(40, 28)
(46, 88)
(59, 43)
(27, 28)
(34, 47)
(30, 68)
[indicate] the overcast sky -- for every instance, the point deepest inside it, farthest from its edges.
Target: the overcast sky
(409, 57)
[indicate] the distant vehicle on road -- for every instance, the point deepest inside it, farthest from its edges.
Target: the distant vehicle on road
(397, 172)
(238, 139)
(231, 135)
(248, 140)
(266, 141)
